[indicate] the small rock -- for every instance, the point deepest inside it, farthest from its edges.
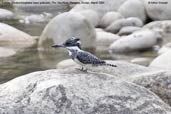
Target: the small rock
(6, 14)
(6, 52)
(66, 63)
(162, 61)
(32, 19)
(110, 17)
(14, 38)
(141, 61)
(128, 30)
(133, 8)
(118, 24)
(139, 40)
(104, 39)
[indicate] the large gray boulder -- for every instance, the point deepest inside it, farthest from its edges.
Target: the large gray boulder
(139, 40)
(157, 9)
(162, 61)
(74, 92)
(133, 8)
(6, 14)
(67, 25)
(91, 15)
(109, 18)
(158, 82)
(118, 24)
(14, 38)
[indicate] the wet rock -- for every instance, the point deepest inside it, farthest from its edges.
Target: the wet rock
(71, 91)
(70, 24)
(128, 30)
(101, 7)
(133, 8)
(5, 52)
(139, 40)
(162, 61)
(165, 48)
(118, 24)
(161, 12)
(141, 61)
(35, 18)
(104, 39)
(6, 14)
(14, 38)
(92, 16)
(109, 17)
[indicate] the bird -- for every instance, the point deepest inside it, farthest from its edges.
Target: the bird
(81, 57)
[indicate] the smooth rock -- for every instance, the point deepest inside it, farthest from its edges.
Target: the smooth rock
(6, 52)
(104, 39)
(99, 30)
(137, 41)
(162, 61)
(165, 48)
(157, 9)
(133, 8)
(66, 63)
(6, 14)
(118, 24)
(109, 17)
(141, 61)
(128, 30)
(71, 91)
(101, 7)
(67, 25)
(14, 38)
(92, 16)
(164, 26)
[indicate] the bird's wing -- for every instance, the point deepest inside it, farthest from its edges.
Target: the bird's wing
(88, 58)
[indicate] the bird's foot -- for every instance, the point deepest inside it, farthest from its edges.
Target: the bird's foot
(82, 69)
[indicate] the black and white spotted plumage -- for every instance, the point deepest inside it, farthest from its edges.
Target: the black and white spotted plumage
(88, 58)
(81, 57)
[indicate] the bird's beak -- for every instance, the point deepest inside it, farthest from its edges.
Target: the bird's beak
(58, 46)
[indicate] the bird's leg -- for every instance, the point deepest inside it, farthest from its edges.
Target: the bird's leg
(82, 69)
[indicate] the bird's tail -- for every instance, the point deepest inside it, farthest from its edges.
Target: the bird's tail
(108, 64)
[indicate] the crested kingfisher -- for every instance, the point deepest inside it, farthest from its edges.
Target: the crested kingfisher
(81, 57)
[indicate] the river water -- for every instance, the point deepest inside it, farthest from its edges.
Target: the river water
(29, 60)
